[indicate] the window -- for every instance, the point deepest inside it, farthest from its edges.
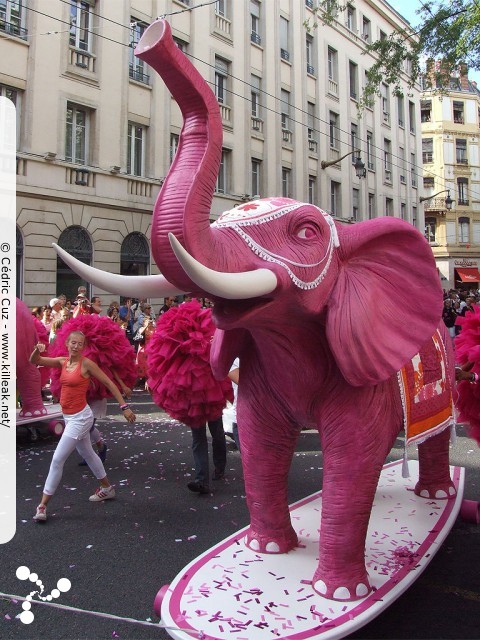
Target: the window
(76, 241)
(81, 23)
(15, 96)
(221, 79)
(135, 255)
(462, 188)
(137, 67)
(311, 129)
(136, 149)
(284, 49)
(426, 110)
(458, 117)
(366, 29)
(403, 211)
(355, 203)
(413, 167)
(427, 150)
(181, 44)
(431, 230)
(256, 82)
(77, 135)
(221, 8)
(174, 139)
(389, 207)
(285, 110)
(353, 141)
(256, 177)
(371, 206)
(385, 97)
(461, 151)
(255, 22)
(12, 17)
(428, 183)
(309, 54)
(414, 216)
(464, 230)
(353, 79)
(370, 154)
(351, 22)
(223, 173)
(332, 64)
(387, 159)
(403, 179)
(335, 204)
(400, 111)
(286, 182)
(312, 189)
(383, 35)
(411, 116)
(333, 130)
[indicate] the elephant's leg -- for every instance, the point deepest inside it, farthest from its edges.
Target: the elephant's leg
(347, 498)
(434, 474)
(268, 443)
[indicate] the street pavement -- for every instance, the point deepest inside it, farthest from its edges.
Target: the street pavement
(117, 554)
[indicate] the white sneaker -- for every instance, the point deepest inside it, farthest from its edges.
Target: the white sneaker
(41, 514)
(103, 493)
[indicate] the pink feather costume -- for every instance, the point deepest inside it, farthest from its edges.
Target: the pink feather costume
(106, 344)
(45, 372)
(179, 374)
(467, 349)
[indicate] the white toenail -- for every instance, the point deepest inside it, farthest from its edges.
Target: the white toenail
(441, 494)
(424, 493)
(272, 547)
(342, 593)
(320, 587)
(254, 544)
(362, 589)
(452, 491)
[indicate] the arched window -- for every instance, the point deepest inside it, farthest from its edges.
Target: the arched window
(464, 230)
(135, 255)
(431, 229)
(76, 241)
(19, 265)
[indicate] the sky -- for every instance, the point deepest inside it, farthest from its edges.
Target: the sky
(407, 8)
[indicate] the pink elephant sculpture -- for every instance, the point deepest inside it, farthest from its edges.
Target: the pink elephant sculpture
(29, 383)
(322, 316)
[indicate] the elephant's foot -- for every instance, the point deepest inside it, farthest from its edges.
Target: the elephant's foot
(275, 543)
(35, 413)
(342, 590)
(436, 491)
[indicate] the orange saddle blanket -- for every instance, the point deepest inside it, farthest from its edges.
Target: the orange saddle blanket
(426, 392)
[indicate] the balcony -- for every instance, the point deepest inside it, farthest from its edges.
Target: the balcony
(427, 157)
(332, 87)
(257, 124)
(255, 38)
(403, 180)
(287, 136)
(80, 176)
(138, 75)
(13, 29)
(388, 175)
(463, 202)
(462, 159)
(386, 117)
(82, 59)
(312, 146)
(222, 24)
(225, 110)
(284, 55)
(139, 188)
(309, 4)
(310, 70)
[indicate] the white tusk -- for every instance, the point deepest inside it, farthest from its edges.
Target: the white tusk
(134, 286)
(230, 286)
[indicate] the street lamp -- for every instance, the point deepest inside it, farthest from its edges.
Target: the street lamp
(360, 170)
(448, 199)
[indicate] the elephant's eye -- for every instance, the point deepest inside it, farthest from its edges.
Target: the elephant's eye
(306, 233)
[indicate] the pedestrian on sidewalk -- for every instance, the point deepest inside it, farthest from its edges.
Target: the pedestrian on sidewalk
(76, 372)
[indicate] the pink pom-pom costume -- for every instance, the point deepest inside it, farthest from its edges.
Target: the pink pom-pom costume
(179, 373)
(106, 345)
(467, 350)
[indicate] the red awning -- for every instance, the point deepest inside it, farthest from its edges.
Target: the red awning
(468, 275)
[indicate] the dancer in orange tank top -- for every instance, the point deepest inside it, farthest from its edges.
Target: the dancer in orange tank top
(74, 381)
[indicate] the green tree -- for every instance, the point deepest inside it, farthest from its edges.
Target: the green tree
(448, 32)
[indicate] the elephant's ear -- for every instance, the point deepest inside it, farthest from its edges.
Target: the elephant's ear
(387, 300)
(226, 346)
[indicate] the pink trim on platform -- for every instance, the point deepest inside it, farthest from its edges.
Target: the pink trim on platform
(397, 572)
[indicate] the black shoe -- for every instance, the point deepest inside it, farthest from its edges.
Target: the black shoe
(103, 453)
(218, 475)
(198, 487)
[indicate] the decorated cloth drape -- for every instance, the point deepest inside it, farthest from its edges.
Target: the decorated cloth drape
(179, 374)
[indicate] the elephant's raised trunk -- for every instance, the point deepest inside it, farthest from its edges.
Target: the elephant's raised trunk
(185, 198)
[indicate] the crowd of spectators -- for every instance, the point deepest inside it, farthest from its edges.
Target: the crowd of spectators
(457, 303)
